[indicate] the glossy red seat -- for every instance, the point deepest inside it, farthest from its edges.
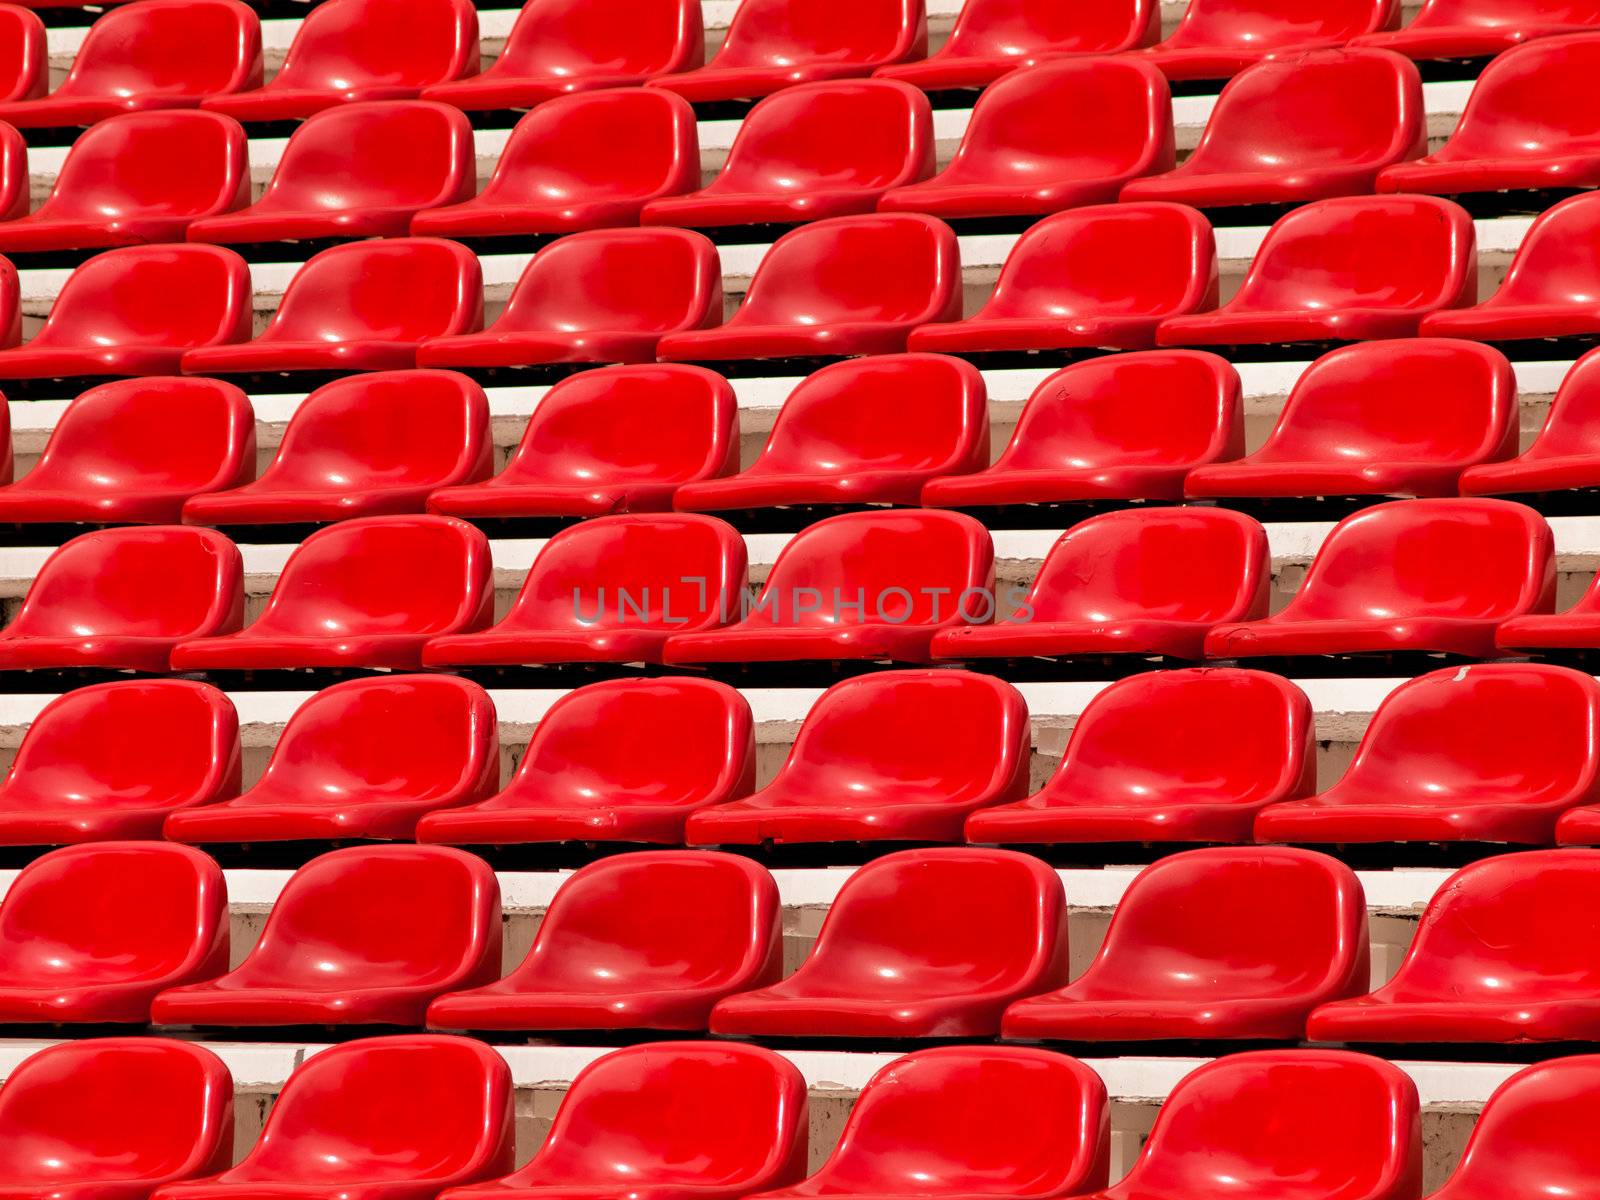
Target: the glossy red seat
(1123, 427)
(1505, 952)
(364, 593)
(919, 944)
(650, 940)
(812, 151)
(362, 759)
(90, 934)
(1147, 582)
(15, 186)
(836, 288)
(1300, 127)
(131, 452)
(362, 306)
(352, 50)
(1566, 452)
(1169, 756)
(579, 300)
(867, 431)
(612, 589)
(1019, 158)
(348, 1123)
(1400, 418)
(1410, 576)
(1219, 38)
(24, 58)
(561, 46)
(1479, 28)
(364, 446)
(1539, 630)
(870, 586)
(671, 1120)
(1350, 269)
(94, 603)
(362, 936)
(901, 756)
(140, 177)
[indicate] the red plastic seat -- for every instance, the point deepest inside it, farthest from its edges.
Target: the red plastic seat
(131, 452)
(919, 944)
(812, 151)
(1354, 268)
(114, 1118)
(867, 431)
(1479, 28)
(1401, 418)
(773, 44)
(362, 936)
(901, 756)
(649, 940)
(95, 602)
(362, 759)
(1505, 952)
(362, 306)
(1121, 427)
(561, 46)
(364, 446)
(140, 177)
(1565, 454)
(861, 586)
(136, 311)
(15, 186)
(1300, 127)
(350, 50)
(1219, 38)
(90, 934)
(1169, 756)
(384, 1118)
(579, 301)
(612, 589)
(152, 54)
(1539, 630)
(24, 58)
(364, 593)
(1147, 582)
(1410, 576)
(111, 761)
(670, 1120)
(1019, 157)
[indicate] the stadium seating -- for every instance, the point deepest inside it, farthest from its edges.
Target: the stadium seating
(579, 301)
(362, 936)
(1120, 427)
(1411, 576)
(140, 177)
(812, 151)
(561, 46)
(363, 306)
(14, 182)
(866, 431)
(611, 590)
(1389, 418)
(362, 759)
(111, 761)
(1505, 952)
(1169, 756)
(131, 452)
(584, 161)
(1540, 631)
(1019, 157)
(90, 934)
(1300, 127)
(835, 288)
(1216, 39)
(860, 586)
(365, 593)
(1564, 455)
(24, 59)
(1480, 28)
(900, 756)
(1101, 277)
(1488, 753)
(624, 760)
(919, 944)
(347, 1123)
(92, 604)
(363, 446)
(350, 50)
(650, 940)
(1148, 583)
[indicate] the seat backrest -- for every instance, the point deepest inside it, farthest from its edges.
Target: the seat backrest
(170, 163)
(1537, 1125)
(15, 189)
(24, 59)
(566, 39)
(1259, 26)
(1573, 426)
(1019, 29)
(1558, 261)
(168, 48)
(786, 33)
(1533, 100)
(1495, 14)
(390, 289)
(348, 44)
